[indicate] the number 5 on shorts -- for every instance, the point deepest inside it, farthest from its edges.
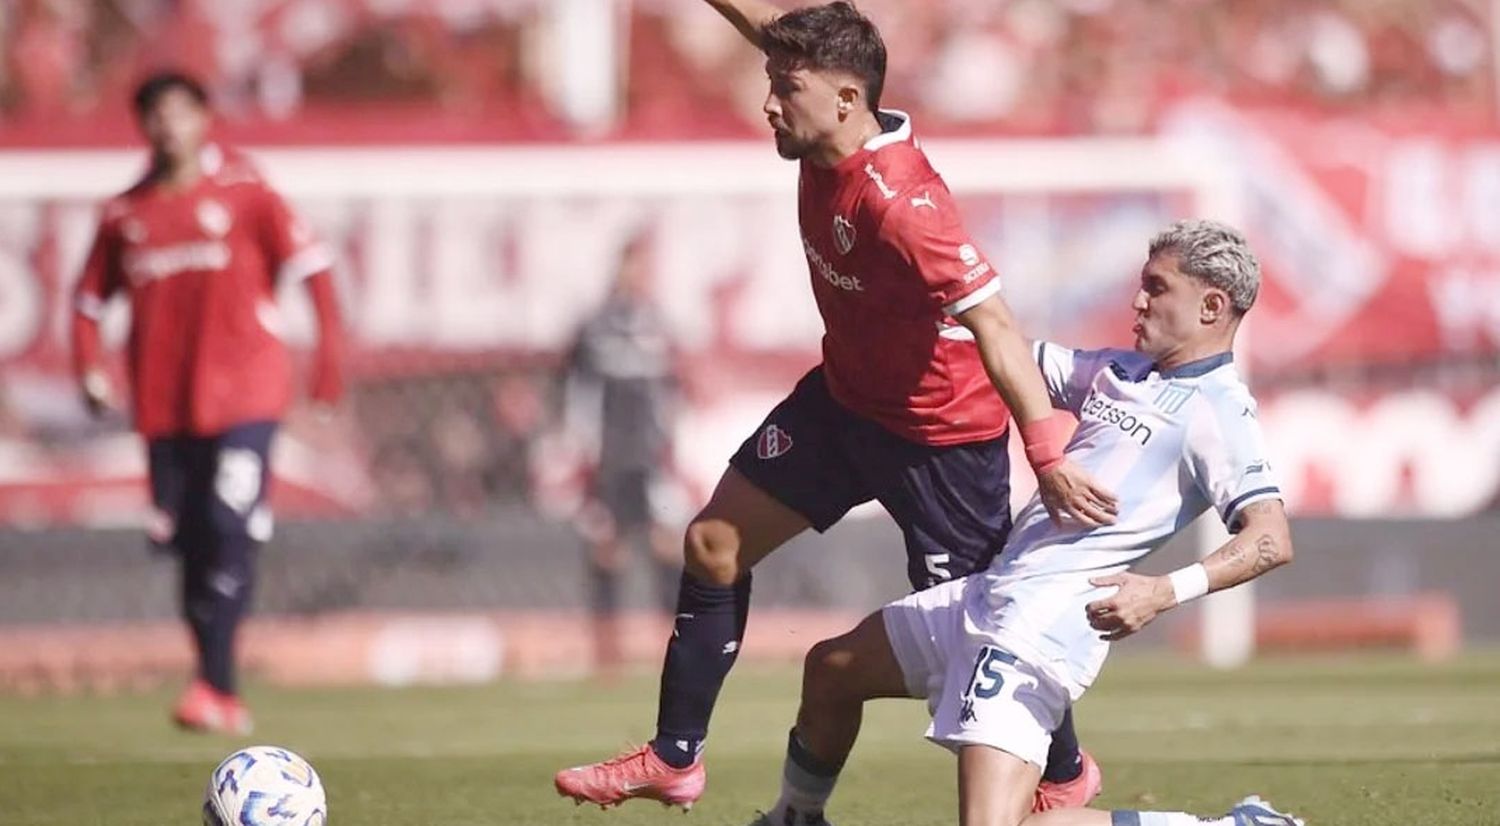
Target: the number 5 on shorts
(935, 571)
(987, 680)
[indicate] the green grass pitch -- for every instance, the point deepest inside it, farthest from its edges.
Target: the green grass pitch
(1342, 742)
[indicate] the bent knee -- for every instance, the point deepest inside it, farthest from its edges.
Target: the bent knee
(710, 550)
(827, 671)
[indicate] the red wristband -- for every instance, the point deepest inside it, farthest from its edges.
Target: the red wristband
(1045, 441)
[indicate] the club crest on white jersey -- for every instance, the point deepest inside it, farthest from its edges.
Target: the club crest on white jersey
(1172, 397)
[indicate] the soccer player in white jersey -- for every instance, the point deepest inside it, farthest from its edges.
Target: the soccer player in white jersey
(1000, 655)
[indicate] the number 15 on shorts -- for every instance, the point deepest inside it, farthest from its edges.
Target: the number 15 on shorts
(986, 681)
(1006, 704)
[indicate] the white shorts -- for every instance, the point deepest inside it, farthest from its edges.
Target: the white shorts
(978, 692)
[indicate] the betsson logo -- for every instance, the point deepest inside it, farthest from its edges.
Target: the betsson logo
(1101, 409)
(829, 274)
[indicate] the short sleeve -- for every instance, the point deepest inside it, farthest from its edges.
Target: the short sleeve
(289, 245)
(1227, 452)
(1068, 373)
(101, 273)
(924, 226)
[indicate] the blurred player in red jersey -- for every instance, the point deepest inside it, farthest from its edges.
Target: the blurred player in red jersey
(904, 408)
(200, 246)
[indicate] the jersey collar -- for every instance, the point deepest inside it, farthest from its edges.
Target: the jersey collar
(1199, 367)
(895, 127)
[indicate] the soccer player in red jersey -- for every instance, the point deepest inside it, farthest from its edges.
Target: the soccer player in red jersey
(199, 247)
(904, 408)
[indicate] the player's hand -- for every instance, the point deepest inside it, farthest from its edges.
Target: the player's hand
(1131, 608)
(98, 393)
(1068, 492)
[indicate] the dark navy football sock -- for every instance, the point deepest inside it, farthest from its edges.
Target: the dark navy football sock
(1064, 762)
(218, 652)
(705, 642)
(224, 598)
(197, 616)
(197, 601)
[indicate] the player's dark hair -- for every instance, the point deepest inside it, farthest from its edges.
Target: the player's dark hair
(834, 36)
(154, 86)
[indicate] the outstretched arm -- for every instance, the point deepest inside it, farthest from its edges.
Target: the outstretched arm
(749, 16)
(1263, 543)
(1065, 488)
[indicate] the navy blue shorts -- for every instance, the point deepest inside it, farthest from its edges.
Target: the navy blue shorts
(210, 491)
(820, 459)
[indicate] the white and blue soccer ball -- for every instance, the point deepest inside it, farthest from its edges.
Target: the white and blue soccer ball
(264, 786)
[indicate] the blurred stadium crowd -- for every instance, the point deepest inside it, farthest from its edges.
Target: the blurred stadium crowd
(489, 68)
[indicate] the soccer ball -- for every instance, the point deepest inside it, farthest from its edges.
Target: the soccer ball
(262, 786)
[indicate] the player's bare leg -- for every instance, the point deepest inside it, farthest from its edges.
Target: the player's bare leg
(1252, 811)
(995, 787)
(740, 525)
(839, 675)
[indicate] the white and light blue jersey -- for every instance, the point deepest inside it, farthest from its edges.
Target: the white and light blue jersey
(1168, 444)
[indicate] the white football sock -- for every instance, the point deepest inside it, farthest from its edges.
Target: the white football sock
(804, 791)
(1180, 819)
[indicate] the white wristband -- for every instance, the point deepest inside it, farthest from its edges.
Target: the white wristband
(1189, 583)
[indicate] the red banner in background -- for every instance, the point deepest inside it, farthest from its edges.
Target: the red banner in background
(1381, 244)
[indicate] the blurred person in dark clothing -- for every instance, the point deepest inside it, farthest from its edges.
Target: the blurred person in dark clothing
(620, 395)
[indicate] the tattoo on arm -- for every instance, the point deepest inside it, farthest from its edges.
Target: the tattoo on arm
(1244, 558)
(1265, 555)
(1234, 553)
(1240, 559)
(1230, 556)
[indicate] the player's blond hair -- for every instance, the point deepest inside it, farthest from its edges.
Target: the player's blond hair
(1216, 254)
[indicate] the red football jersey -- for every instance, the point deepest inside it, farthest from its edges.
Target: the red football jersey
(891, 265)
(201, 267)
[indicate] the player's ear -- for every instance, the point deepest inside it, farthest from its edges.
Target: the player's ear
(1215, 306)
(849, 100)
